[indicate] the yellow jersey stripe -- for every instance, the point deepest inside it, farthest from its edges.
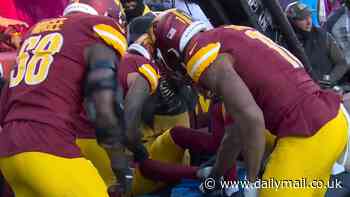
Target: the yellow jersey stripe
(112, 37)
(201, 60)
(151, 75)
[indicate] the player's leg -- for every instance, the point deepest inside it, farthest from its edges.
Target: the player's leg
(97, 155)
(35, 174)
(163, 123)
(99, 158)
(160, 147)
(311, 158)
(165, 150)
(169, 149)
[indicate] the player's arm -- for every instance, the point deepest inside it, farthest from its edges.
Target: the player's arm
(139, 91)
(101, 85)
(101, 91)
(248, 133)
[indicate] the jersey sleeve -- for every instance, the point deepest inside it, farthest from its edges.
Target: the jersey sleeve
(151, 73)
(111, 34)
(203, 55)
(132, 63)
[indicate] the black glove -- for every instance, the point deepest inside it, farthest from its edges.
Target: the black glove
(140, 152)
(125, 178)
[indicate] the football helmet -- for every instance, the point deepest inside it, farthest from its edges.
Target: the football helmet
(171, 31)
(111, 8)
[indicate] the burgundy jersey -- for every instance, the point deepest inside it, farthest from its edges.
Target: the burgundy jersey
(46, 86)
(133, 63)
(292, 103)
(84, 127)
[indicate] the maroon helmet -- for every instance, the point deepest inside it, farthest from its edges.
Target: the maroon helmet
(171, 31)
(111, 8)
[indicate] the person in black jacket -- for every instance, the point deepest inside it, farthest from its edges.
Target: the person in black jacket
(134, 8)
(326, 57)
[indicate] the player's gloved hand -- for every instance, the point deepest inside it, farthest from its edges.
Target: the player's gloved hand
(140, 153)
(124, 185)
(120, 163)
(122, 188)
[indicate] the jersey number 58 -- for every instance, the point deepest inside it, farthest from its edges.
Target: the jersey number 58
(35, 58)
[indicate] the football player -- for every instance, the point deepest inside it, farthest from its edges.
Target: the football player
(261, 85)
(140, 78)
(153, 104)
(61, 61)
